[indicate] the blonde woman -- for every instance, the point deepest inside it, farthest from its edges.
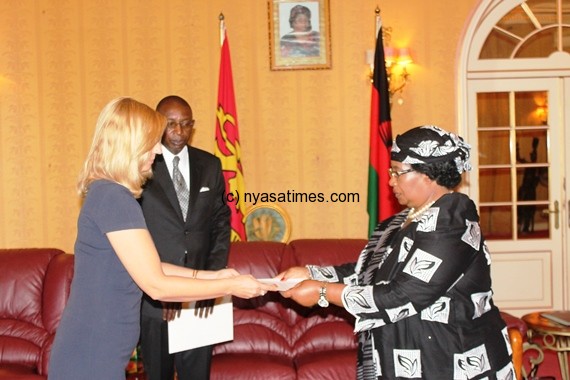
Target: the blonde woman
(115, 257)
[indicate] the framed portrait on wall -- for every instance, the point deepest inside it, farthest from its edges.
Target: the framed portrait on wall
(299, 34)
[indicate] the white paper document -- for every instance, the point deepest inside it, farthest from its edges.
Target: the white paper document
(282, 285)
(191, 331)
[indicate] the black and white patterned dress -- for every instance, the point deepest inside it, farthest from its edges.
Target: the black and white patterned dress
(422, 299)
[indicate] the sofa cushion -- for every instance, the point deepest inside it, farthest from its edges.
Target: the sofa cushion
(251, 367)
(18, 372)
(340, 364)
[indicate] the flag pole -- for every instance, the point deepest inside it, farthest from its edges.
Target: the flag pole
(378, 21)
(222, 28)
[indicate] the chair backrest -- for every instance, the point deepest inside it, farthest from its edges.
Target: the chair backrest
(34, 287)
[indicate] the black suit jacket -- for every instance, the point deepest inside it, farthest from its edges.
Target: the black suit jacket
(203, 241)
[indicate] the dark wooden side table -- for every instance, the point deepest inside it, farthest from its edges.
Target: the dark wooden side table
(555, 337)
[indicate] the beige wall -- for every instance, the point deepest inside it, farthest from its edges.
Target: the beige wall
(307, 131)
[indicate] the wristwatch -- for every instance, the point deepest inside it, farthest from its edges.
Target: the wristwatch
(323, 302)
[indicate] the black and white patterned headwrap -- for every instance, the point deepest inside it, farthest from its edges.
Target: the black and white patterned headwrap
(429, 144)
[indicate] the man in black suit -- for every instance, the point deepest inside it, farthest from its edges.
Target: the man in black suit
(199, 239)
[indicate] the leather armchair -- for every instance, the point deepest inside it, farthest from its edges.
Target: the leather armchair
(34, 287)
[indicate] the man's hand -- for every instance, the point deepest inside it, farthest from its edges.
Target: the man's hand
(171, 310)
(204, 308)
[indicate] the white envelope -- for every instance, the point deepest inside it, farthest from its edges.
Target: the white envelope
(190, 331)
(282, 285)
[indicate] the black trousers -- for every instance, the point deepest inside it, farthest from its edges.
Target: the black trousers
(159, 364)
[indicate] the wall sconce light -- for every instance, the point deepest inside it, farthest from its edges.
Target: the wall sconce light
(542, 113)
(397, 61)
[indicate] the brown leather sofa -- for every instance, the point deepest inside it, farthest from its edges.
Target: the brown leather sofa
(34, 286)
(274, 338)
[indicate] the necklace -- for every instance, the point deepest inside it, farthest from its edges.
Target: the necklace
(414, 215)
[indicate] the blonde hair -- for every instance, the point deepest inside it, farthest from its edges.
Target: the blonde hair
(125, 134)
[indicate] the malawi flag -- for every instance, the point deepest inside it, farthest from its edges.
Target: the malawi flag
(381, 200)
(227, 142)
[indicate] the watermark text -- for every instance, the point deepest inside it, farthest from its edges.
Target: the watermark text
(292, 196)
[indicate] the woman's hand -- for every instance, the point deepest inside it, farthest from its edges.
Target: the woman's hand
(306, 293)
(294, 272)
(226, 273)
(246, 286)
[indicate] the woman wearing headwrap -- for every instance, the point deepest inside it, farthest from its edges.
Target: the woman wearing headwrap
(421, 288)
(302, 40)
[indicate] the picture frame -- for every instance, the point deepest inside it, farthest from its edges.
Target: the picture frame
(267, 222)
(299, 34)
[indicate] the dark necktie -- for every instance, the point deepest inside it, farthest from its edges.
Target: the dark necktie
(180, 186)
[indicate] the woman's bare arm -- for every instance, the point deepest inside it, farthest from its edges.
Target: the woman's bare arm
(138, 254)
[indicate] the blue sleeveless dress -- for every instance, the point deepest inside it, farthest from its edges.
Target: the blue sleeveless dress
(100, 325)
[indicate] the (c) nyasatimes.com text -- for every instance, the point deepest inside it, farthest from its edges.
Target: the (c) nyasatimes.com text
(292, 196)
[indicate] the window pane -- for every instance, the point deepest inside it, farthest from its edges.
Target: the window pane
(565, 15)
(498, 45)
(495, 185)
(496, 222)
(517, 22)
(492, 109)
(494, 148)
(566, 37)
(530, 108)
(532, 184)
(533, 223)
(532, 146)
(540, 45)
(545, 11)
